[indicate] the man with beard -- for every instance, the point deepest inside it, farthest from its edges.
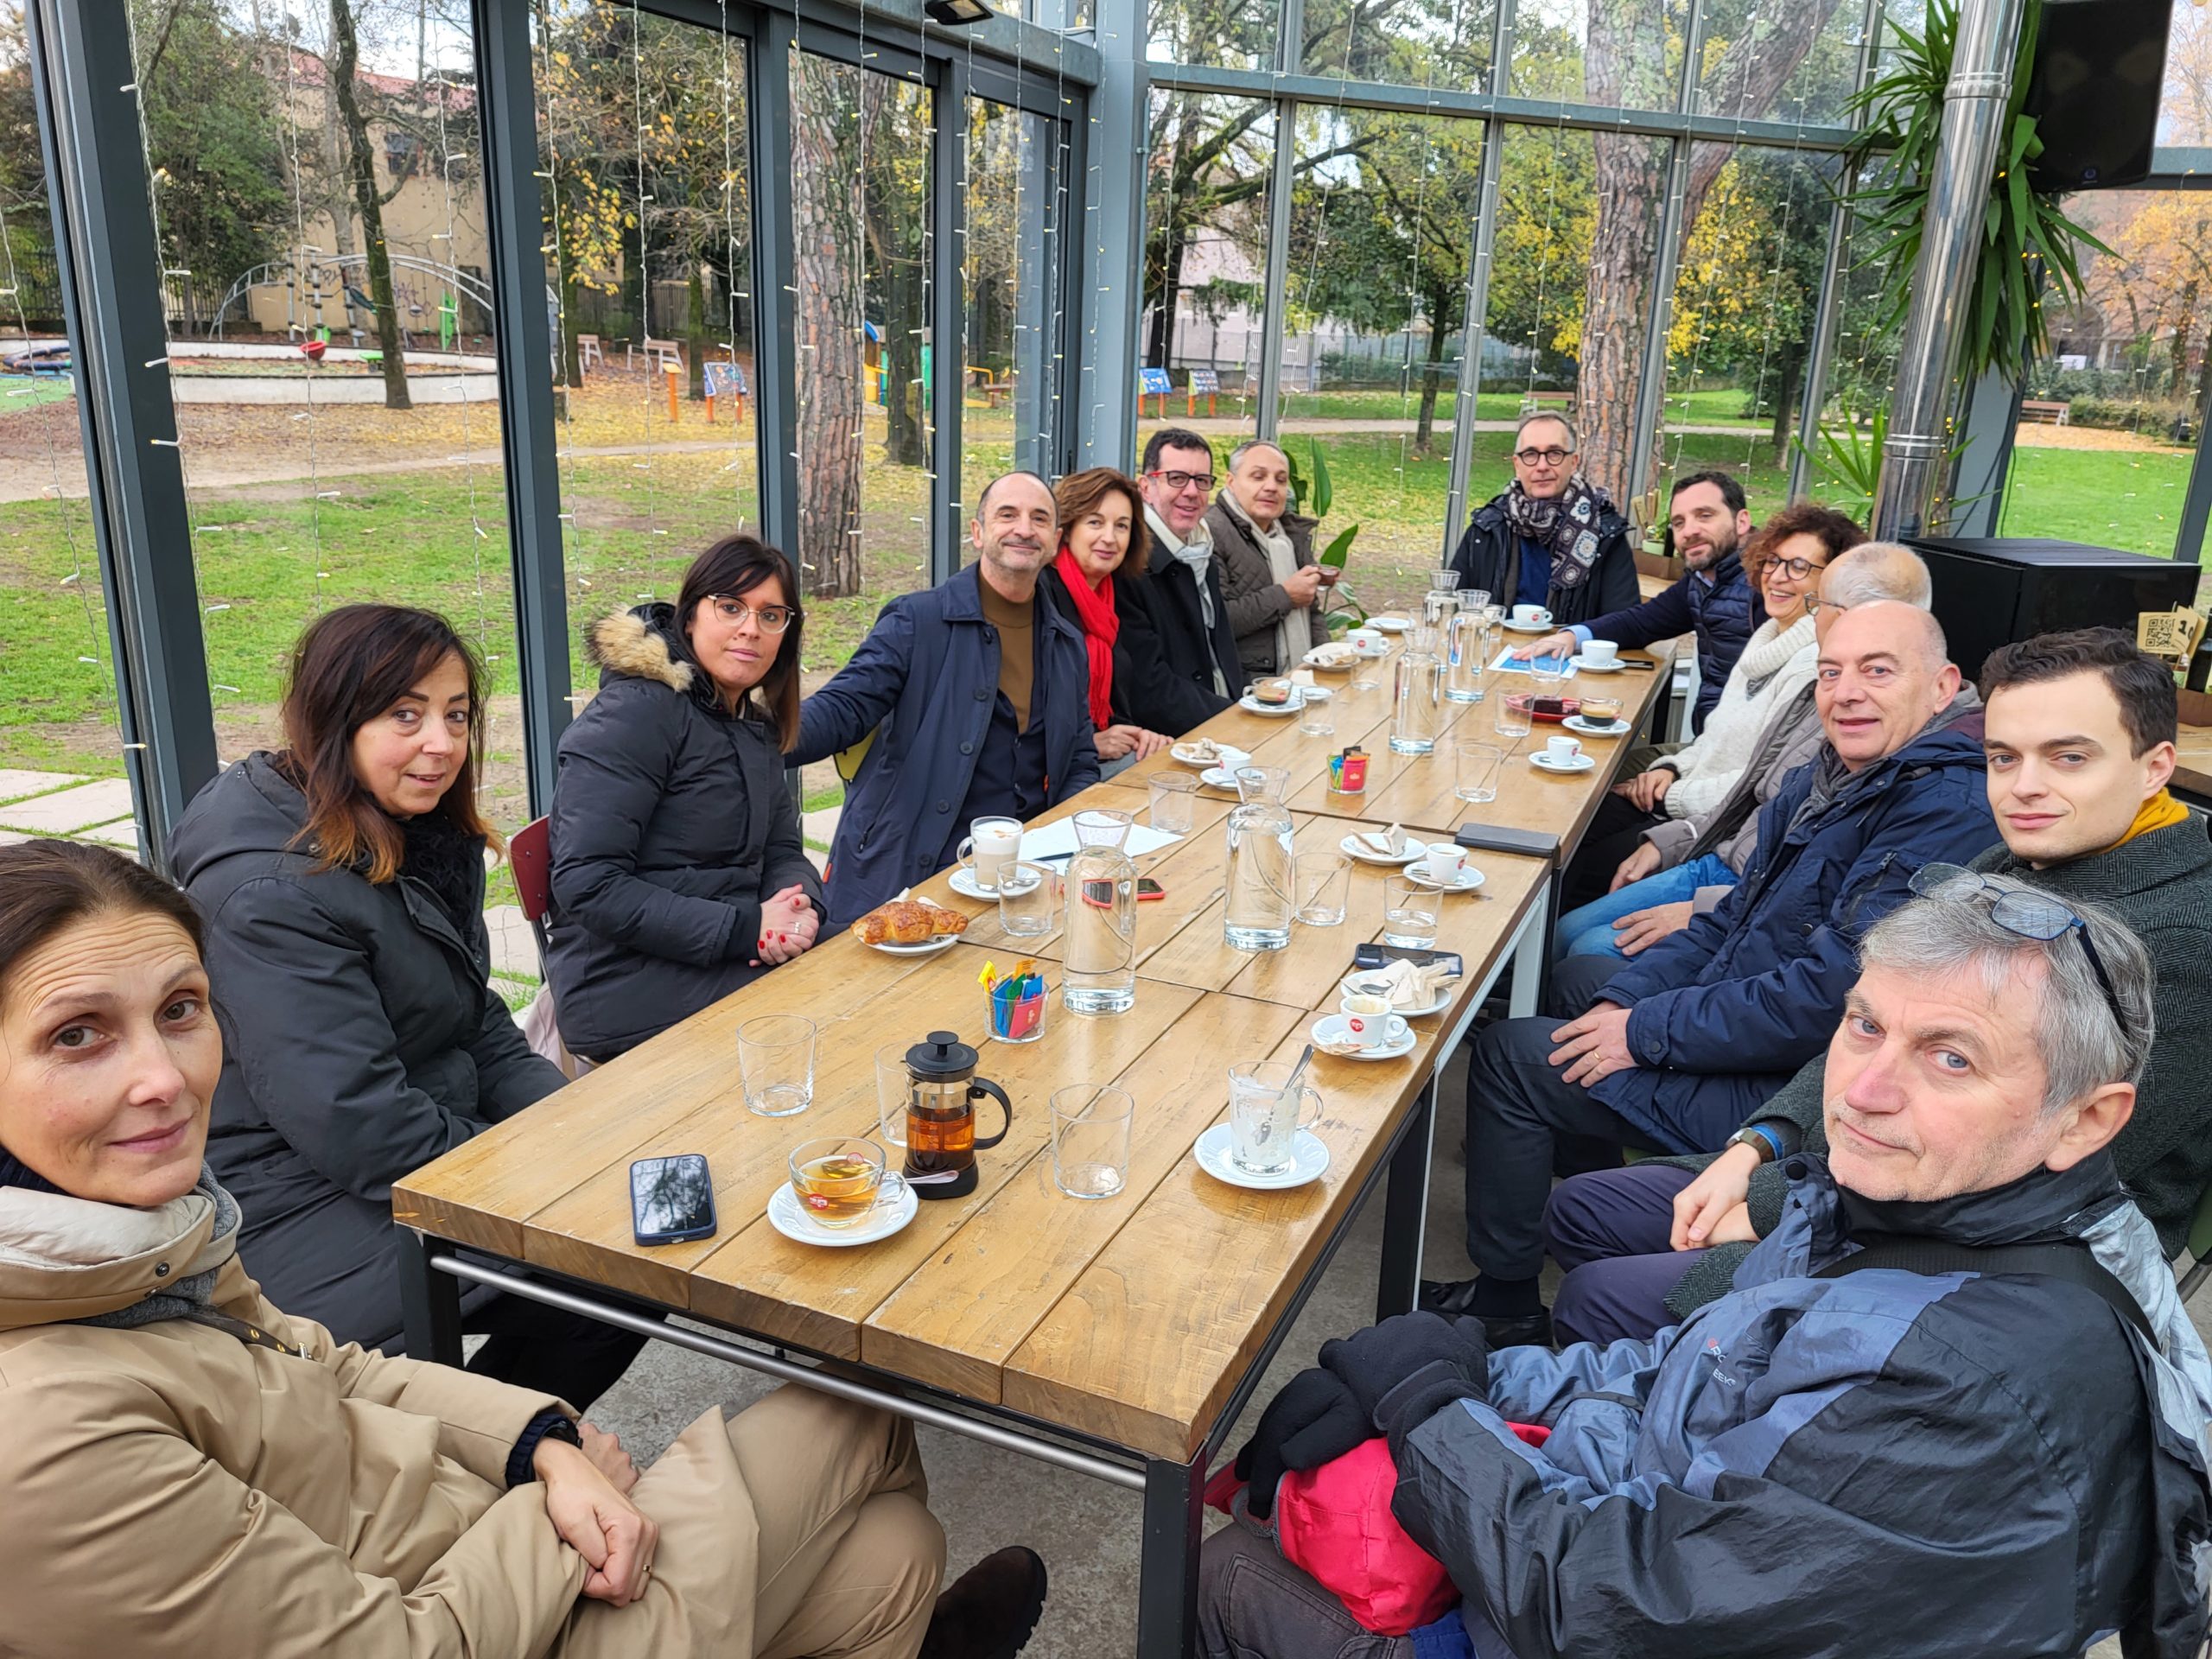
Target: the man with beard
(972, 693)
(1707, 525)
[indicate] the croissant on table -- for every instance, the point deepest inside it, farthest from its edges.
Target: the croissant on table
(907, 921)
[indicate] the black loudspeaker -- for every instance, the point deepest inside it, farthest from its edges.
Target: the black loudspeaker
(1991, 591)
(2100, 65)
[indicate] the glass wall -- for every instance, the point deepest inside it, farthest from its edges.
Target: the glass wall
(58, 724)
(1009, 290)
(1412, 43)
(1617, 53)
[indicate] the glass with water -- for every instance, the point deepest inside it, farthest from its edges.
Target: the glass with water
(1467, 642)
(1266, 1112)
(1256, 911)
(1417, 698)
(1101, 953)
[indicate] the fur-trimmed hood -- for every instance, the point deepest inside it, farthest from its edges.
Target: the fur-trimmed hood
(639, 644)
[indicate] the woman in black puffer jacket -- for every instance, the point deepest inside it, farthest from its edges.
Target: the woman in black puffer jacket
(678, 872)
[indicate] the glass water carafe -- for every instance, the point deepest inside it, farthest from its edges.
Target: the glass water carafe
(1099, 973)
(1467, 645)
(1417, 699)
(1256, 913)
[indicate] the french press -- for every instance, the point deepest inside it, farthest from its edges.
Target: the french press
(942, 1089)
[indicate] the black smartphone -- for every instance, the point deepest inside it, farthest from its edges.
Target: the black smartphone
(671, 1199)
(1499, 838)
(1370, 955)
(1101, 893)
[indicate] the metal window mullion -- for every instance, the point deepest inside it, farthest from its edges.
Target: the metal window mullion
(1071, 130)
(2197, 502)
(530, 438)
(1651, 386)
(1275, 299)
(1108, 347)
(1473, 329)
(775, 339)
(85, 87)
(948, 217)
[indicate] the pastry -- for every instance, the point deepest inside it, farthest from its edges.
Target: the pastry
(907, 921)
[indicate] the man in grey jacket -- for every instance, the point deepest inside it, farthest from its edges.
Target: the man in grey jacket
(1683, 866)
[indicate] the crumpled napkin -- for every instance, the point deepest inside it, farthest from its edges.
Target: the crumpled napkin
(1406, 985)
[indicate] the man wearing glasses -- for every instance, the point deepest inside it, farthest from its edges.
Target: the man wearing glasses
(1185, 579)
(2079, 734)
(1671, 1052)
(1554, 538)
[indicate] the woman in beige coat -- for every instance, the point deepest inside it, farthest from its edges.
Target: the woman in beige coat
(186, 1470)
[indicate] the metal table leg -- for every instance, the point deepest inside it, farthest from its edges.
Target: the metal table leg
(1532, 952)
(1405, 1211)
(429, 1302)
(1168, 1583)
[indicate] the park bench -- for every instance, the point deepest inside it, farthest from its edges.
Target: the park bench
(1535, 400)
(2043, 410)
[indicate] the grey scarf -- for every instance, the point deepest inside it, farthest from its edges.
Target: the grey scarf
(192, 1297)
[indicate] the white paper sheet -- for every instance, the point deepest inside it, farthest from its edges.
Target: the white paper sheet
(1057, 841)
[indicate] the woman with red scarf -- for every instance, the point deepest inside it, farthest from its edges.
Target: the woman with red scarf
(1133, 698)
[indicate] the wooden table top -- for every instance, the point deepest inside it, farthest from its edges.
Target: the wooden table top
(1132, 1318)
(2194, 773)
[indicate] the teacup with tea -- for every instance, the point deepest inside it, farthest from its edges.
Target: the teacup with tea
(840, 1180)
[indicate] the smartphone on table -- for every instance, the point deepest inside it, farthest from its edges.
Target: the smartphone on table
(1101, 893)
(671, 1199)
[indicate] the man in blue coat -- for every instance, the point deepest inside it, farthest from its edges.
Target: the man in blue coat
(1706, 524)
(972, 694)
(1674, 1049)
(1952, 1406)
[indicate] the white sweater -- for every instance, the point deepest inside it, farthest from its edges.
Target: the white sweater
(1774, 667)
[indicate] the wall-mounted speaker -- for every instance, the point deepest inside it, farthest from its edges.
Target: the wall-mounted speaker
(2100, 65)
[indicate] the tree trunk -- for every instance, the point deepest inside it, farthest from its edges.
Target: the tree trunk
(1431, 380)
(344, 59)
(825, 212)
(1788, 373)
(2183, 329)
(695, 333)
(901, 357)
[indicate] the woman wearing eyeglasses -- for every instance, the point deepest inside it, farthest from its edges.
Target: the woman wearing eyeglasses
(678, 872)
(1552, 537)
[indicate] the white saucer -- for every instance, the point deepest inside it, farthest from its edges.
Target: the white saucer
(1365, 655)
(793, 1223)
(1582, 727)
(1511, 626)
(1315, 693)
(1251, 705)
(1585, 665)
(1470, 878)
(963, 883)
(1220, 777)
(1309, 1162)
(1227, 758)
(926, 948)
(1353, 847)
(1542, 761)
(1336, 1028)
(1389, 624)
(1314, 659)
(1353, 981)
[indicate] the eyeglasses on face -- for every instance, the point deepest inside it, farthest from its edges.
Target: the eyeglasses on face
(771, 618)
(2039, 916)
(1552, 457)
(1180, 482)
(1798, 570)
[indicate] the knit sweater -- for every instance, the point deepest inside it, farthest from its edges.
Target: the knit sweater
(2160, 884)
(1776, 663)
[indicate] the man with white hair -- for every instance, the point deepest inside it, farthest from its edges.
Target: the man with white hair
(1953, 1405)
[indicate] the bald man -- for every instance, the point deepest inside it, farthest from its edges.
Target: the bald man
(969, 698)
(1672, 1051)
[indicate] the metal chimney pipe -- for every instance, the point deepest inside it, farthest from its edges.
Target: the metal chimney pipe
(1968, 146)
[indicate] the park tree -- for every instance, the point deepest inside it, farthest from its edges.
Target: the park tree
(342, 80)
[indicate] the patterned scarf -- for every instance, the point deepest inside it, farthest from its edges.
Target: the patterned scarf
(1566, 525)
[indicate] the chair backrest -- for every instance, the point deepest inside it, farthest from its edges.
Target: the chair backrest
(531, 853)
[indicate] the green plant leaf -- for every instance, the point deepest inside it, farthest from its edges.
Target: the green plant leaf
(1324, 491)
(1339, 547)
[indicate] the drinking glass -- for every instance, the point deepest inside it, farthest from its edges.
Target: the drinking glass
(894, 1084)
(1018, 1017)
(1409, 912)
(840, 1180)
(1174, 801)
(1091, 1140)
(1257, 783)
(1027, 899)
(1443, 582)
(1101, 826)
(1545, 682)
(1511, 719)
(1314, 719)
(1324, 884)
(1266, 1111)
(1478, 764)
(775, 1059)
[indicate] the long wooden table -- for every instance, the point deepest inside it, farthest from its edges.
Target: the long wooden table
(1119, 1337)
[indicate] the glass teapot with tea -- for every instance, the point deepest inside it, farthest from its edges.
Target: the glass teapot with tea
(942, 1089)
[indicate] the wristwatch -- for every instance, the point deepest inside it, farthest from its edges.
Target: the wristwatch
(1760, 1139)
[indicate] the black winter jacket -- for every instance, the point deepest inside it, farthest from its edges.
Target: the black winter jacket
(360, 1040)
(1489, 558)
(1146, 691)
(670, 825)
(1191, 650)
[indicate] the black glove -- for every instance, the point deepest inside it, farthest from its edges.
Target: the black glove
(1375, 1361)
(1313, 1421)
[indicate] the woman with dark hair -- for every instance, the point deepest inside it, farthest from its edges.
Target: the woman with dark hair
(678, 872)
(1138, 704)
(342, 878)
(190, 1470)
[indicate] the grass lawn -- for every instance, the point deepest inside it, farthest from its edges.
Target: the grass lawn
(2123, 498)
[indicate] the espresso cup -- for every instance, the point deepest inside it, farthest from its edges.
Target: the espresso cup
(1444, 861)
(1532, 616)
(1364, 638)
(1561, 751)
(990, 851)
(1599, 651)
(1373, 1031)
(1601, 711)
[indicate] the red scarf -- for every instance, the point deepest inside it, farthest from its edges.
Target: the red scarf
(1100, 624)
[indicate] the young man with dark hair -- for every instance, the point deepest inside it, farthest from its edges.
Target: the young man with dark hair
(1183, 580)
(2079, 738)
(1706, 524)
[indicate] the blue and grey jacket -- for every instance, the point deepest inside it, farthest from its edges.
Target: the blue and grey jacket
(1886, 1463)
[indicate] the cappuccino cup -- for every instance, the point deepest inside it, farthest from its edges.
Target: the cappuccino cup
(1599, 651)
(1532, 616)
(990, 850)
(1562, 751)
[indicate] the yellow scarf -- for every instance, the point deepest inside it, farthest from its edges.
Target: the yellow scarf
(2159, 812)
